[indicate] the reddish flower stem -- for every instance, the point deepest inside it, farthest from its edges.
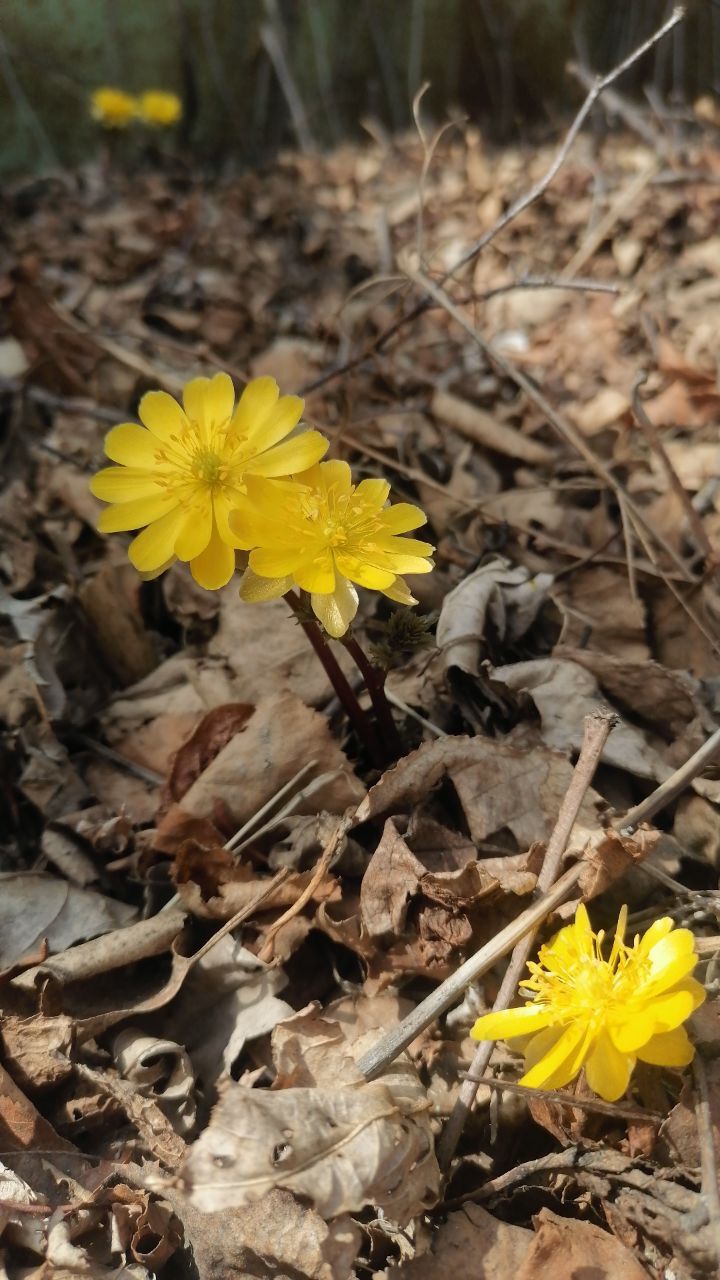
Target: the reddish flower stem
(355, 714)
(374, 678)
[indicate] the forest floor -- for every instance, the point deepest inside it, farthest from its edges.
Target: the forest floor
(174, 760)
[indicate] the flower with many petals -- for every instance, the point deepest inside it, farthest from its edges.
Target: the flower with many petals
(322, 533)
(603, 1014)
(182, 473)
(160, 108)
(113, 108)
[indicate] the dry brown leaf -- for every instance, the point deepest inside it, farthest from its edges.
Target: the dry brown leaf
(37, 1050)
(215, 884)
(507, 596)
(341, 1148)
(599, 613)
(110, 600)
(564, 694)
(566, 1247)
(392, 878)
(499, 786)
(208, 738)
(276, 1236)
(279, 738)
(665, 700)
(258, 671)
(34, 906)
(472, 1243)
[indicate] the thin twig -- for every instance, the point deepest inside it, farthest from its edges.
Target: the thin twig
(672, 787)
(267, 950)
(567, 1099)
(562, 425)
(708, 1158)
(248, 827)
(517, 207)
(432, 728)
(596, 730)
(650, 431)
(374, 1062)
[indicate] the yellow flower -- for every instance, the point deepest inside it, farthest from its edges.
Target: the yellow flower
(113, 108)
(322, 533)
(603, 1014)
(182, 473)
(160, 108)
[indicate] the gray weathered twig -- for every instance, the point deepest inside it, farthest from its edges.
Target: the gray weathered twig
(597, 728)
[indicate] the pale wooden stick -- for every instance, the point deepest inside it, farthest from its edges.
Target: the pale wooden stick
(374, 1062)
(595, 734)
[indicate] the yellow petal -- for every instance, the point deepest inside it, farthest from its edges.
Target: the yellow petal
(403, 546)
(658, 929)
(156, 544)
(366, 575)
(255, 404)
(124, 484)
(668, 1049)
(255, 590)
(336, 610)
(505, 1024)
(563, 1062)
(607, 1070)
(124, 516)
(400, 592)
(331, 477)
(296, 454)
(402, 517)
(195, 533)
(194, 398)
(162, 415)
(132, 445)
(155, 573)
(278, 423)
(215, 565)
(269, 562)
(316, 573)
(660, 1014)
(373, 492)
(224, 508)
(220, 398)
(671, 959)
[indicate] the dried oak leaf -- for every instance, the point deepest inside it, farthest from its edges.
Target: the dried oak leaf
(34, 906)
(279, 738)
(499, 786)
(471, 1243)
(36, 1050)
(342, 1148)
(566, 1249)
(214, 884)
(276, 1236)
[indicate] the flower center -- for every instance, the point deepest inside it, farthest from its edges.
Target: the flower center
(208, 467)
(209, 455)
(581, 986)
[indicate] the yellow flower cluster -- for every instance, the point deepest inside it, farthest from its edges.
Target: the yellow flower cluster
(115, 109)
(206, 478)
(603, 1014)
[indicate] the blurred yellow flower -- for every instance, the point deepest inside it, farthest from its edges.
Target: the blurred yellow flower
(113, 108)
(601, 1014)
(181, 474)
(322, 533)
(160, 108)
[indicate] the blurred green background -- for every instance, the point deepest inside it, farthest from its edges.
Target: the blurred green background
(341, 62)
